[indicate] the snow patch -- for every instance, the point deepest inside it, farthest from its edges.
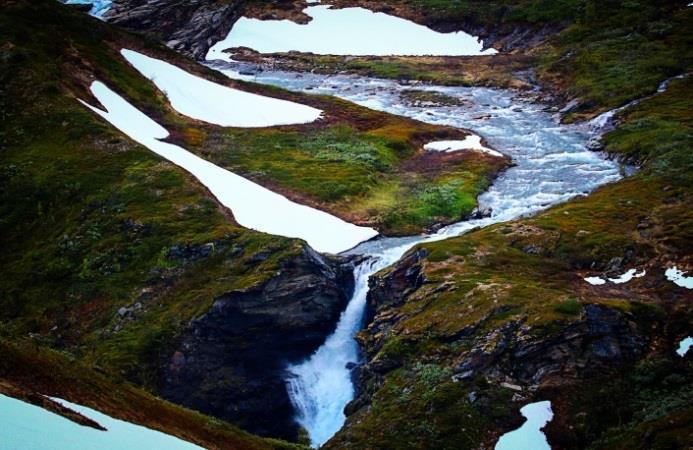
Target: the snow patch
(471, 142)
(347, 31)
(529, 436)
(210, 102)
(685, 345)
(253, 206)
(27, 426)
(624, 278)
(678, 277)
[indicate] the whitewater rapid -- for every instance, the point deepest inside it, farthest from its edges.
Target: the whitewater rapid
(553, 163)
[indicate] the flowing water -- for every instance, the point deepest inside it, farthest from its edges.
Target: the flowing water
(552, 164)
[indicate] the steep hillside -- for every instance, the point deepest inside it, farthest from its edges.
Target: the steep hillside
(467, 330)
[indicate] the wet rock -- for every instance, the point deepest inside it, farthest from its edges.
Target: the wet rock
(480, 213)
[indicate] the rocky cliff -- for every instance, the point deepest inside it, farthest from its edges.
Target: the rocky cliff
(230, 362)
(189, 26)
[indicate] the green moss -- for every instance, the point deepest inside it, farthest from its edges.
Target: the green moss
(570, 307)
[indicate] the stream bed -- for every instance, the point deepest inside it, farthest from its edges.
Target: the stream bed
(552, 164)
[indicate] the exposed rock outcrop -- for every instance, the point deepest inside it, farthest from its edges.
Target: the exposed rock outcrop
(188, 26)
(230, 362)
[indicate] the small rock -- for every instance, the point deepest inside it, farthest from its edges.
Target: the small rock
(511, 386)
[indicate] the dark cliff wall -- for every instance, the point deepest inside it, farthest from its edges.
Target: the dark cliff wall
(189, 26)
(231, 361)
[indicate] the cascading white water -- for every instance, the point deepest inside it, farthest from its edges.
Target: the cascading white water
(552, 164)
(321, 387)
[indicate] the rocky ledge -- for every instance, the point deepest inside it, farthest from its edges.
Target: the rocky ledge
(230, 362)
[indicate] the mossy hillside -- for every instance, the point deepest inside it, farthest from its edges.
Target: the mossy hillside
(475, 286)
(530, 272)
(29, 369)
(89, 218)
(374, 177)
(617, 52)
(607, 54)
(647, 407)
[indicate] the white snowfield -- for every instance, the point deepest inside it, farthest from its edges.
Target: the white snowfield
(623, 278)
(253, 206)
(24, 426)
(685, 345)
(348, 31)
(529, 436)
(471, 142)
(679, 277)
(214, 103)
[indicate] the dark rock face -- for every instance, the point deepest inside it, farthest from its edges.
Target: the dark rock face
(392, 290)
(604, 338)
(188, 26)
(230, 362)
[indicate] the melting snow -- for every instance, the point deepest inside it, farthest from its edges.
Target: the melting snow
(252, 205)
(685, 344)
(210, 102)
(471, 142)
(529, 436)
(26, 426)
(678, 277)
(624, 278)
(348, 31)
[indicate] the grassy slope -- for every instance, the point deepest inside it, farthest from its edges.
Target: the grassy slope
(374, 177)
